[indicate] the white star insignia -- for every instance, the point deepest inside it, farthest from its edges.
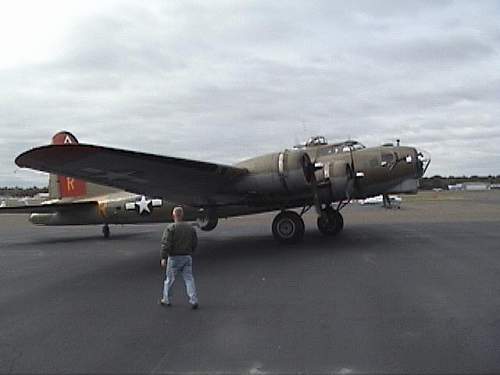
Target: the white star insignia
(143, 205)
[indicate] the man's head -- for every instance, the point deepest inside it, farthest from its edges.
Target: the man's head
(178, 214)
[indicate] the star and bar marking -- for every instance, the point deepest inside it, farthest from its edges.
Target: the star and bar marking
(143, 205)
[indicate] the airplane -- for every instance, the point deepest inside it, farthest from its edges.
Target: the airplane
(92, 184)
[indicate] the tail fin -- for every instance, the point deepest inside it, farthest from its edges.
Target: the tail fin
(68, 187)
(61, 186)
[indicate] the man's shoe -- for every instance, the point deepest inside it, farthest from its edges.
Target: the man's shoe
(194, 306)
(163, 302)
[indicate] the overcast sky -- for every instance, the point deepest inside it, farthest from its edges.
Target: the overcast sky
(227, 80)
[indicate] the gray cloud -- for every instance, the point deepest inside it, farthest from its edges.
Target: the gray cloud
(222, 81)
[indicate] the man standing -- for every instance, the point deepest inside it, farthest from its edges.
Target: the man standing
(178, 243)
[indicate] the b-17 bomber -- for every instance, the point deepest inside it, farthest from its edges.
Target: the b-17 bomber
(91, 184)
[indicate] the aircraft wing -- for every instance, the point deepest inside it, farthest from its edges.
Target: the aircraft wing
(46, 208)
(179, 180)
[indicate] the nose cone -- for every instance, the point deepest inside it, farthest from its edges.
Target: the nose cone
(423, 161)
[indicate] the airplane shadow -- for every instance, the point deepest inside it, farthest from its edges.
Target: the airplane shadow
(237, 245)
(234, 250)
(263, 245)
(87, 239)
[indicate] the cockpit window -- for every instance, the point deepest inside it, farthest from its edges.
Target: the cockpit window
(358, 146)
(347, 146)
(335, 148)
(316, 141)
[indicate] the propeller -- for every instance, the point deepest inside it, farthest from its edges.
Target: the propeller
(310, 168)
(424, 160)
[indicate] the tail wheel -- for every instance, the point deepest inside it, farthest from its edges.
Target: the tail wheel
(207, 223)
(331, 222)
(288, 227)
(207, 219)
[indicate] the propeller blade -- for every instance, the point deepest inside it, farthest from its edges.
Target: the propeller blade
(309, 171)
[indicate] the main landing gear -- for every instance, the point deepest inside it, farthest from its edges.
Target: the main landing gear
(288, 226)
(330, 222)
(105, 231)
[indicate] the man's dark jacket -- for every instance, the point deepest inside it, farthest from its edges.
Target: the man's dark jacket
(178, 239)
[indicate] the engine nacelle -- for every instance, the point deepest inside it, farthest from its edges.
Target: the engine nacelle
(278, 173)
(334, 180)
(293, 172)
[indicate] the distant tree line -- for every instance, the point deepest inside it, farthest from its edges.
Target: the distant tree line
(17, 191)
(439, 182)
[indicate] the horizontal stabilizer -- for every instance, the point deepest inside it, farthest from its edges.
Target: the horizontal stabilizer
(47, 208)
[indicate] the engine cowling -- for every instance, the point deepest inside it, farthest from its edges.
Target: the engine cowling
(293, 172)
(334, 181)
(278, 173)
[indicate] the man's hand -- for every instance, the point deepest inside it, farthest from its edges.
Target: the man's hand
(163, 263)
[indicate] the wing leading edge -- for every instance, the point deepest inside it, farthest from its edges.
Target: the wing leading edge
(179, 180)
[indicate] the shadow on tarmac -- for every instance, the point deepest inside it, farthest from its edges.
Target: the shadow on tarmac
(84, 239)
(360, 238)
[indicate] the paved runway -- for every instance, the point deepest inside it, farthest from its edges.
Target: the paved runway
(410, 290)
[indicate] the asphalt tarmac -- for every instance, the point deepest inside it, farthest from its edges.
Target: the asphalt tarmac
(415, 290)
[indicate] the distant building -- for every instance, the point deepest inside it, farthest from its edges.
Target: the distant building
(473, 186)
(456, 187)
(476, 186)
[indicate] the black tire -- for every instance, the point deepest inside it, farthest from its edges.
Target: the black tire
(207, 224)
(334, 223)
(288, 227)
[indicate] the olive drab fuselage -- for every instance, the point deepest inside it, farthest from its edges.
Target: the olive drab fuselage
(341, 172)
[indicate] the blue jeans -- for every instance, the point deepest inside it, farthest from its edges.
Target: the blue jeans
(184, 265)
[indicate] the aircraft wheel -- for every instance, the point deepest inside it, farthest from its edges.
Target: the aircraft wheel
(207, 222)
(105, 231)
(333, 224)
(288, 227)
